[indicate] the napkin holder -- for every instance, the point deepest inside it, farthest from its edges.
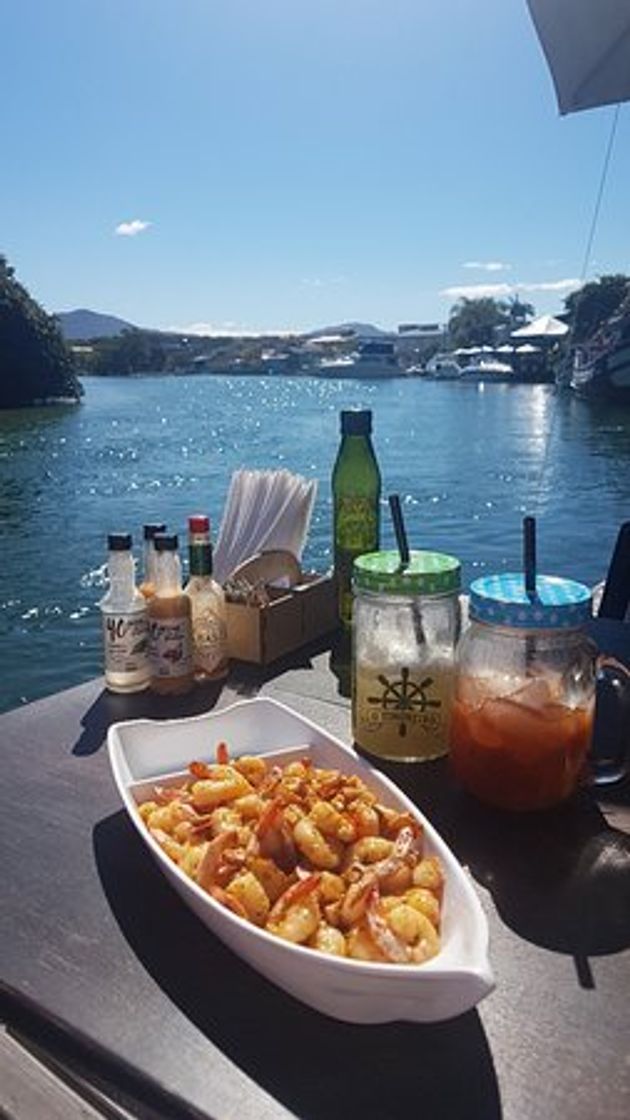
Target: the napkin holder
(298, 608)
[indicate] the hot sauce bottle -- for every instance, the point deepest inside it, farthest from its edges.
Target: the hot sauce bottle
(207, 602)
(170, 630)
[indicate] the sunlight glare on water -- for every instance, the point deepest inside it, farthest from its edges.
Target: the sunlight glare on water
(467, 461)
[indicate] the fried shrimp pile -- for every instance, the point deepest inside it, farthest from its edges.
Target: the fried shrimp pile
(305, 853)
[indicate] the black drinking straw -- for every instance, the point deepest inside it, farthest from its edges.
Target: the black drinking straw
(529, 555)
(399, 529)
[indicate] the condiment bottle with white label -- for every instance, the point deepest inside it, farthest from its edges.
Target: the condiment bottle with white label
(125, 623)
(170, 630)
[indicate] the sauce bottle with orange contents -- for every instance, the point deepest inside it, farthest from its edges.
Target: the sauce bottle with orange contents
(170, 629)
(150, 531)
(522, 715)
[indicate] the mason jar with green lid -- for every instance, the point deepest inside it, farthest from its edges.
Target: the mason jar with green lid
(406, 623)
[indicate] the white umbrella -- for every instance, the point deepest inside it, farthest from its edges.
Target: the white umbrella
(527, 348)
(505, 349)
(544, 327)
(587, 47)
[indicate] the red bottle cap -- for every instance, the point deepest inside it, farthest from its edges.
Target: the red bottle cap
(199, 523)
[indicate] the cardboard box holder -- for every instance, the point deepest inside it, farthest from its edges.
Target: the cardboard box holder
(293, 617)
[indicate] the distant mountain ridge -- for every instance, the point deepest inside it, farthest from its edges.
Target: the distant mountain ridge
(82, 324)
(362, 330)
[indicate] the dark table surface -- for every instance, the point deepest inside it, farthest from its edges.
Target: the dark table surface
(105, 968)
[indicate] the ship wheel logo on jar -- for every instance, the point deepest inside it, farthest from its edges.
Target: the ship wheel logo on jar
(404, 698)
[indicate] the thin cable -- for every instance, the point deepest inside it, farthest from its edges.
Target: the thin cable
(600, 192)
(587, 257)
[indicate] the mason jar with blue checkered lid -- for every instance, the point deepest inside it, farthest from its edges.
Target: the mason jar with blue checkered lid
(406, 621)
(525, 691)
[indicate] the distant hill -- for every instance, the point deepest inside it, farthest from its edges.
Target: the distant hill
(82, 324)
(364, 330)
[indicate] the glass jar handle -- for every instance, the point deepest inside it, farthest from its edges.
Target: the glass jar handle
(611, 730)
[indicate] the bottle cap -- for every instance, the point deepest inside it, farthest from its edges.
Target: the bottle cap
(199, 523)
(151, 530)
(502, 600)
(427, 573)
(119, 542)
(356, 422)
(166, 542)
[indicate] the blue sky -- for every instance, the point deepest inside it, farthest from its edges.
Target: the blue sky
(296, 162)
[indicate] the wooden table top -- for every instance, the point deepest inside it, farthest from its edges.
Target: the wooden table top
(106, 968)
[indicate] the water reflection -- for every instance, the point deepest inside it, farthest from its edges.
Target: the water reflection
(469, 463)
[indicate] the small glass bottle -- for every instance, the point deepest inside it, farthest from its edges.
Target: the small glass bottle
(356, 491)
(150, 531)
(170, 630)
(207, 602)
(125, 625)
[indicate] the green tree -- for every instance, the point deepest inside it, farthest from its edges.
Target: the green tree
(35, 363)
(592, 305)
(518, 312)
(473, 322)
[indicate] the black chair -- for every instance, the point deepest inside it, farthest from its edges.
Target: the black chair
(616, 594)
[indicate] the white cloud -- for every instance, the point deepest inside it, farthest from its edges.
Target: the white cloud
(478, 291)
(553, 286)
(502, 291)
(322, 282)
(228, 330)
(488, 266)
(132, 228)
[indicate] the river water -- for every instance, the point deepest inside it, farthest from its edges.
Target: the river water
(467, 460)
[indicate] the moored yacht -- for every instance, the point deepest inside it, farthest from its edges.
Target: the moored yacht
(373, 358)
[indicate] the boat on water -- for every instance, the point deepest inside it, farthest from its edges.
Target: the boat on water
(602, 372)
(443, 367)
(488, 369)
(371, 359)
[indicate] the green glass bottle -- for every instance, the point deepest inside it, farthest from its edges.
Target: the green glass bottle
(356, 490)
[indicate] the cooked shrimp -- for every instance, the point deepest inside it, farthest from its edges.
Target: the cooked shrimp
(296, 915)
(223, 784)
(387, 941)
(429, 874)
(361, 945)
(425, 902)
(305, 852)
(329, 940)
(331, 822)
(273, 880)
(252, 767)
(315, 846)
(210, 862)
(275, 837)
(247, 890)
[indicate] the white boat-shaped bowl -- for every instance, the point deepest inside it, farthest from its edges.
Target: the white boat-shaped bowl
(143, 752)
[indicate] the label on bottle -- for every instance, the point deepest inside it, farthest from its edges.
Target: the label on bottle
(170, 647)
(126, 639)
(209, 641)
(403, 712)
(356, 524)
(356, 532)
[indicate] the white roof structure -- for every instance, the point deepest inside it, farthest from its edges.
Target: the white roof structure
(527, 348)
(505, 349)
(587, 47)
(544, 327)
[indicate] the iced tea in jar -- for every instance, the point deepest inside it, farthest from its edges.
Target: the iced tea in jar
(406, 622)
(525, 691)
